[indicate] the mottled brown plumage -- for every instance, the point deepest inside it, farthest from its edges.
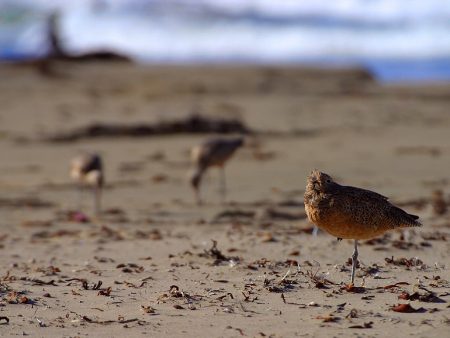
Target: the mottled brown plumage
(212, 152)
(350, 212)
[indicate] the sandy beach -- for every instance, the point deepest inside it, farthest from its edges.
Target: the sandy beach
(157, 264)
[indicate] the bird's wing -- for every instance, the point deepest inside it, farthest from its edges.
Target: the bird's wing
(90, 163)
(211, 151)
(364, 194)
(383, 208)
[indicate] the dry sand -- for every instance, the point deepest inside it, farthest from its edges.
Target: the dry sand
(152, 249)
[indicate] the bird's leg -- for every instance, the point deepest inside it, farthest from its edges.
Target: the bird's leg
(198, 199)
(354, 261)
(223, 186)
(315, 231)
(97, 200)
(79, 197)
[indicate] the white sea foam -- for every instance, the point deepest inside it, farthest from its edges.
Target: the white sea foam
(236, 30)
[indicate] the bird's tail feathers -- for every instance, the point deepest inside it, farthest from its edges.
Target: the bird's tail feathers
(412, 222)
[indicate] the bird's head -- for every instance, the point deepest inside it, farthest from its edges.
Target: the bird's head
(320, 182)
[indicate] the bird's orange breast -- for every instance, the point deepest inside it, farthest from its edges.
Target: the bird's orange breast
(341, 224)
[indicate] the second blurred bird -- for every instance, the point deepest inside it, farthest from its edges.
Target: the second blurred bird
(87, 170)
(214, 152)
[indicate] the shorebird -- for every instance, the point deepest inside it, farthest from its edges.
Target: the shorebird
(87, 170)
(212, 152)
(350, 212)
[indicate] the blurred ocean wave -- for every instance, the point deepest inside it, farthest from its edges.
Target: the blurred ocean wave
(397, 39)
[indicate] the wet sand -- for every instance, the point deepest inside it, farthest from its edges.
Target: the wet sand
(153, 248)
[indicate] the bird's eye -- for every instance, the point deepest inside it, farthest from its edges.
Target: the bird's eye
(328, 180)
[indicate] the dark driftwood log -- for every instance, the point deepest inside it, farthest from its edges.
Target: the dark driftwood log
(191, 125)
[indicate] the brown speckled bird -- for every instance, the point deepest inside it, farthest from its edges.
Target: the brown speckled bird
(87, 170)
(212, 152)
(350, 212)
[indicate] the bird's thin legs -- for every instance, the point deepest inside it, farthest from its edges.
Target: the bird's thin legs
(223, 184)
(80, 197)
(315, 231)
(97, 200)
(354, 260)
(198, 199)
